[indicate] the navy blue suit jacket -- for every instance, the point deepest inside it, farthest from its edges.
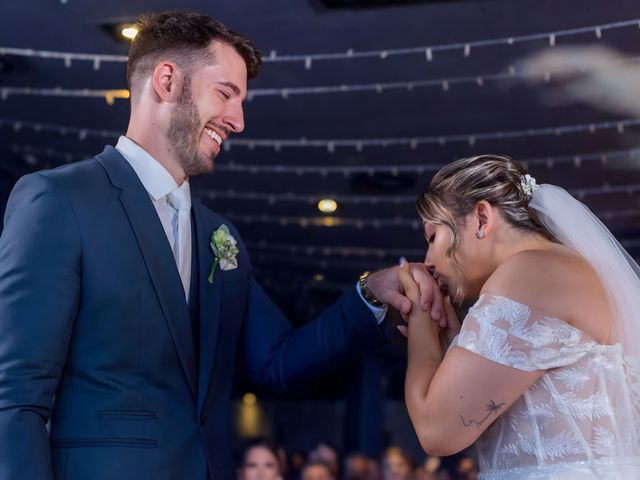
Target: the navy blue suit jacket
(96, 338)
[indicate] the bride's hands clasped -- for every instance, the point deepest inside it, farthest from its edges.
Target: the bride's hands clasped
(445, 330)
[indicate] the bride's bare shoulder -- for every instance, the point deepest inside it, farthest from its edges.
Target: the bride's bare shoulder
(557, 281)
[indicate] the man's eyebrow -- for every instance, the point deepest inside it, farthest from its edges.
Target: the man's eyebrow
(232, 86)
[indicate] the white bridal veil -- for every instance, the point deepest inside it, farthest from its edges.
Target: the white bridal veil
(573, 224)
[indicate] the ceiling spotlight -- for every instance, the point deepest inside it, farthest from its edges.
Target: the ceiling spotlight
(249, 399)
(129, 32)
(327, 205)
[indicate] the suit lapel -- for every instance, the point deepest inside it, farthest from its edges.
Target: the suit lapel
(210, 300)
(157, 256)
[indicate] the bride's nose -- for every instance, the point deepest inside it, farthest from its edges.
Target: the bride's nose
(429, 264)
(431, 269)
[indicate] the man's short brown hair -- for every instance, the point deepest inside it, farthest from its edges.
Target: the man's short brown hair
(184, 37)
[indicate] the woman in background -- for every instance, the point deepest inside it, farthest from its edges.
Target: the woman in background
(260, 461)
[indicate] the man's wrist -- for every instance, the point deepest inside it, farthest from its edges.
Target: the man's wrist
(366, 293)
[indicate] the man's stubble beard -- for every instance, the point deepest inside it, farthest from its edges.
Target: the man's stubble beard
(184, 135)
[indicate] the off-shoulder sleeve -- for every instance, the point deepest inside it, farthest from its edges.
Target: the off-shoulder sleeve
(512, 334)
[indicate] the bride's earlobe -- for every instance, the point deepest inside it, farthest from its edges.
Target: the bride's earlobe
(484, 214)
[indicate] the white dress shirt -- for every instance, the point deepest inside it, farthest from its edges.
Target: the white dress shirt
(159, 183)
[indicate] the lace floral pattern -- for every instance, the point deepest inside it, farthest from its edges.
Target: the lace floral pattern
(566, 418)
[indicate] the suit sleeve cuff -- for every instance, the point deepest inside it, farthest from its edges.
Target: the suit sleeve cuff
(378, 312)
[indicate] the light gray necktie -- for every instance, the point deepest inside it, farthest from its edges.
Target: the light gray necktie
(180, 200)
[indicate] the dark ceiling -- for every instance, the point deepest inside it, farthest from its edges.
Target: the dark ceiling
(378, 147)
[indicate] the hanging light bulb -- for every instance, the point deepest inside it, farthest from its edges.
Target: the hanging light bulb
(327, 205)
(129, 32)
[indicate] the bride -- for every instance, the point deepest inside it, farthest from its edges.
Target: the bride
(542, 372)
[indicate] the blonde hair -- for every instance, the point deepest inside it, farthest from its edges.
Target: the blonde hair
(457, 188)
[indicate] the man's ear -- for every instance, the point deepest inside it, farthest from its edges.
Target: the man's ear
(167, 81)
(485, 216)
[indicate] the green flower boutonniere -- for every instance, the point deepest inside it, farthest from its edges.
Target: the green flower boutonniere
(225, 249)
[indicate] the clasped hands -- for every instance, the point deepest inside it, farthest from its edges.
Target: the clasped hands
(413, 291)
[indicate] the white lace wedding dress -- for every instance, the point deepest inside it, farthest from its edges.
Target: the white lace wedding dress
(579, 421)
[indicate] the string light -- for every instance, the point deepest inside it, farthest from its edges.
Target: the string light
(441, 139)
(340, 251)
(385, 199)
(379, 87)
(308, 59)
(288, 259)
(381, 253)
(108, 95)
(348, 170)
(466, 47)
(278, 144)
(60, 129)
(284, 221)
(376, 223)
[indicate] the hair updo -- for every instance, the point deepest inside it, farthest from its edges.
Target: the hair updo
(457, 188)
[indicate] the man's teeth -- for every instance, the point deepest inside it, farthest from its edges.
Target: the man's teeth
(214, 135)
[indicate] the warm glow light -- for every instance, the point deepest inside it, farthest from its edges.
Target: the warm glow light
(327, 205)
(465, 465)
(318, 277)
(249, 399)
(329, 221)
(111, 95)
(129, 32)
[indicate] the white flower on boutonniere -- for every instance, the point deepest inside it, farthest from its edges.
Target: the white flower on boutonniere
(225, 249)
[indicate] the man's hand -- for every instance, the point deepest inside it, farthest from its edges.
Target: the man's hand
(386, 288)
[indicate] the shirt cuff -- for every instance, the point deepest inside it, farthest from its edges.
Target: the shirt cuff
(378, 312)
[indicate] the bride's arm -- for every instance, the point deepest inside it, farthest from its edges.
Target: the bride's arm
(453, 400)
(462, 398)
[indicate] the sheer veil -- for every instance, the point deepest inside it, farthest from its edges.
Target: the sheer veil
(573, 224)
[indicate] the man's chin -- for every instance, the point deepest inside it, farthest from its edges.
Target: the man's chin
(205, 165)
(209, 165)
(208, 168)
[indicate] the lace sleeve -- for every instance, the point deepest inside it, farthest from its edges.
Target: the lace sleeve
(509, 333)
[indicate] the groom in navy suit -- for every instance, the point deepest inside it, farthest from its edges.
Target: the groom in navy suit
(120, 325)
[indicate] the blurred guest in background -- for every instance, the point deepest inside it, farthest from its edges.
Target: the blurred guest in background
(260, 461)
(317, 470)
(466, 469)
(374, 470)
(396, 465)
(328, 454)
(296, 464)
(356, 467)
(433, 468)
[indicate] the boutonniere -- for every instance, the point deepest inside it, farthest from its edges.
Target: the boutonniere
(225, 249)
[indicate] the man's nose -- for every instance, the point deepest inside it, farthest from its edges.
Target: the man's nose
(234, 118)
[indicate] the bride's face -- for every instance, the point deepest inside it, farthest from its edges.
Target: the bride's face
(469, 257)
(439, 238)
